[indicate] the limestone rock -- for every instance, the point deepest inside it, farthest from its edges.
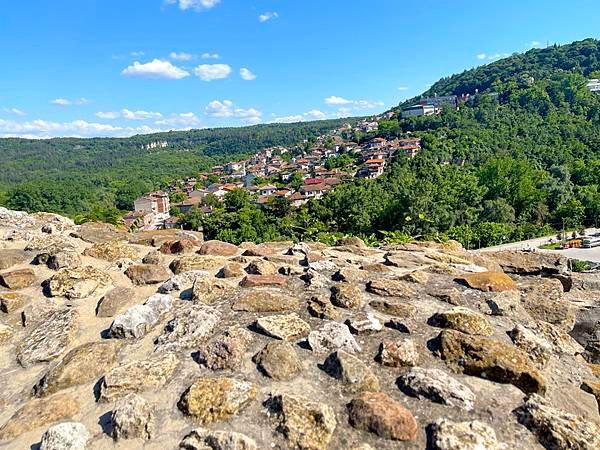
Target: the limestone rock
(200, 439)
(12, 301)
(196, 262)
(133, 418)
(537, 347)
(138, 320)
(488, 281)
(393, 307)
(322, 309)
(142, 274)
(391, 288)
(111, 251)
(65, 436)
(232, 270)
(286, 327)
(39, 412)
(177, 247)
(78, 282)
(17, 279)
(354, 374)
(6, 332)
(331, 337)
(50, 335)
(475, 435)
(81, 365)
(95, 232)
(227, 350)
(346, 295)
(437, 386)
(184, 280)
(9, 258)
(527, 263)
(306, 424)
(504, 303)
(451, 295)
(218, 248)
(138, 376)
(378, 413)
(153, 257)
(418, 277)
(212, 399)
(403, 353)
(191, 325)
(491, 359)
(278, 360)
(265, 300)
(557, 429)
(544, 299)
(115, 301)
(261, 267)
(464, 320)
(250, 281)
(209, 290)
(364, 323)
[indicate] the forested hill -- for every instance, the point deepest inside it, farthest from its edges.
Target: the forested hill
(73, 176)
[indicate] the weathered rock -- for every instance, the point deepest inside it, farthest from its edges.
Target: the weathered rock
(138, 320)
(141, 274)
(9, 258)
(17, 279)
(39, 412)
(208, 290)
(556, 429)
(331, 337)
(6, 332)
(306, 424)
(528, 263)
(364, 323)
(153, 257)
(57, 258)
(95, 232)
(184, 280)
(592, 387)
(475, 435)
(488, 281)
(346, 295)
(115, 301)
(227, 350)
(378, 413)
(286, 327)
(491, 359)
(544, 299)
(81, 365)
(351, 240)
(393, 307)
(391, 288)
(322, 309)
(250, 281)
(65, 436)
(265, 300)
(218, 248)
(190, 326)
(232, 270)
(278, 360)
(78, 282)
(418, 277)
(537, 347)
(177, 247)
(138, 376)
(133, 418)
(111, 251)
(403, 353)
(211, 399)
(505, 303)
(437, 386)
(261, 267)
(12, 301)
(354, 374)
(450, 295)
(196, 262)
(463, 319)
(200, 439)
(50, 335)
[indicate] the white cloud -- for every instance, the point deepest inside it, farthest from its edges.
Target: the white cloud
(196, 5)
(210, 72)
(181, 120)
(210, 56)
(335, 100)
(485, 56)
(314, 114)
(289, 119)
(40, 129)
(358, 104)
(107, 115)
(403, 88)
(68, 102)
(268, 16)
(137, 54)
(181, 56)
(246, 74)
(155, 69)
(535, 44)
(481, 56)
(15, 111)
(140, 115)
(226, 108)
(344, 112)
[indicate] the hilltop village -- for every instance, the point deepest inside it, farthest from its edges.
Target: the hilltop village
(290, 174)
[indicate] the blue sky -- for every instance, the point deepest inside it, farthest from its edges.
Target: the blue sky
(122, 67)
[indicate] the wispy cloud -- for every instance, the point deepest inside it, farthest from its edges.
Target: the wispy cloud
(314, 114)
(358, 104)
(155, 69)
(246, 74)
(181, 56)
(210, 56)
(492, 57)
(195, 5)
(269, 15)
(211, 72)
(535, 44)
(108, 115)
(69, 102)
(403, 88)
(140, 115)
(15, 111)
(181, 120)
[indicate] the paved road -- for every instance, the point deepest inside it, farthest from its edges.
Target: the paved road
(586, 254)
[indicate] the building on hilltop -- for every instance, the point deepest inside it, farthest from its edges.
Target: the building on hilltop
(594, 85)
(419, 110)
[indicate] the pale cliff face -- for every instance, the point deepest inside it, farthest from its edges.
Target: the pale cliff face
(133, 341)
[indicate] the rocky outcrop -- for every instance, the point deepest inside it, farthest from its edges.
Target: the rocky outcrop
(78, 282)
